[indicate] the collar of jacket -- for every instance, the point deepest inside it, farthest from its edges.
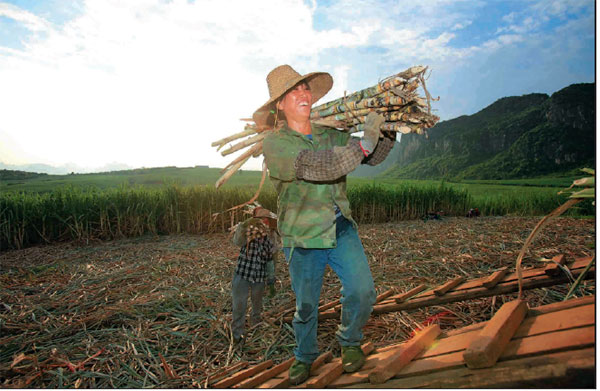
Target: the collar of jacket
(315, 130)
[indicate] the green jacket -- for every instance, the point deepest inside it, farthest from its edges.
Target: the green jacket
(305, 208)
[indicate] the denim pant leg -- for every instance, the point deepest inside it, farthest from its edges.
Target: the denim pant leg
(349, 262)
(306, 272)
(239, 293)
(257, 291)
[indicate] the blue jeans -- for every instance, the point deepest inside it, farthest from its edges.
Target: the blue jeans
(349, 262)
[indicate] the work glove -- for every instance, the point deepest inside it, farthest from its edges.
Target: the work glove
(271, 291)
(369, 140)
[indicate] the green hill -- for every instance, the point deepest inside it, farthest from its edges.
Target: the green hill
(515, 137)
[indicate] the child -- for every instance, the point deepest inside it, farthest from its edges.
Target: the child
(258, 240)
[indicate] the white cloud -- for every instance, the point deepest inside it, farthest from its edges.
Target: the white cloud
(150, 82)
(29, 20)
(460, 26)
(153, 82)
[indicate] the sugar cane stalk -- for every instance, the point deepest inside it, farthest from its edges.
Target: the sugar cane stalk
(244, 144)
(248, 130)
(385, 85)
(240, 162)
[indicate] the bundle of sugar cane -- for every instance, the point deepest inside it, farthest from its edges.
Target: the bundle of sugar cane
(255, 231)
(395, 97)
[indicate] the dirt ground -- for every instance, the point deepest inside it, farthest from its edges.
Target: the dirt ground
(155, 311)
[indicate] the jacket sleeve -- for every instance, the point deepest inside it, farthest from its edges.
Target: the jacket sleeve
(384, 146)
(330, 164)
(280, 161)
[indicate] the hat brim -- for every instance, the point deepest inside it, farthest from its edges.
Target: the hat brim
(319, 83)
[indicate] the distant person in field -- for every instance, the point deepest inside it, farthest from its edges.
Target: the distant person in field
(259, 243)
(308, 165)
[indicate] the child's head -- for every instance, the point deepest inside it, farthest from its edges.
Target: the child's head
(266, 216)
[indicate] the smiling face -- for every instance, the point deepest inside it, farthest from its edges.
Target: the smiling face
(296, 103)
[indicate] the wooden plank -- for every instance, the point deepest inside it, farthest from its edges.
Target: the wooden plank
(561, 305)
(447, 352)
(372, 361)
(226, 372)
(265, 375)
(495, 278)
(396, 362)
(544, 309)
(561, 340)
(329, 305)
(552, 268)
(384, 295)
(547, 371)
(553, 321)
(546, 323)
(474, 293)
(540, 344)
(367, 348)
(465, 329)
(238, 377)
(407, 295)
(579, 263)
(484, 351)
(322, 359)
(447, 287)
(329, 373)
(283, 380)
(276, 382)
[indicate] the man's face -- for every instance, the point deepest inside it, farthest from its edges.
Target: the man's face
(296, 103)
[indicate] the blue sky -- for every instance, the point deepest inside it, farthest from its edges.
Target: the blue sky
(154, 82)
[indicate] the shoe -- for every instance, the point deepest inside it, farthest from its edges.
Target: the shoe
(299, 372)
(353, 358)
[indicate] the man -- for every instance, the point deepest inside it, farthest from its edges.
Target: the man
(258, 244)
(308, 166)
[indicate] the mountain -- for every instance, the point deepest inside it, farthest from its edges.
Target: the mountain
(515, 137)
(64, 169)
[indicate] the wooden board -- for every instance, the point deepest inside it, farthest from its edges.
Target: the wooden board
(484, 350)
(404, 355)
(283, 379)
(407, 295)
(539, 281)
(533, 312)
(552, 268)
(328, 373)
(495, 278)
(550, 333)
(227, 372)
(571, 369)
(447, 287)
(265, 375)
(239, 376)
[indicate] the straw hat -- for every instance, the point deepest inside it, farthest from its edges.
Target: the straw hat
(282, 79)
(261, 212)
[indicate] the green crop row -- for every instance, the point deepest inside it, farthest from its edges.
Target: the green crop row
(74, 213)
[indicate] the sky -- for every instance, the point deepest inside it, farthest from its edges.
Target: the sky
(151, 83)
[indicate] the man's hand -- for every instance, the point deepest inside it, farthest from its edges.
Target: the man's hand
(372, 133)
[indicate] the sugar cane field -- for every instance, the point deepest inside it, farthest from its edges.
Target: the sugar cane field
(130, 286)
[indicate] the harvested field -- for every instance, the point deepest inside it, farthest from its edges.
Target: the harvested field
(155, 311)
